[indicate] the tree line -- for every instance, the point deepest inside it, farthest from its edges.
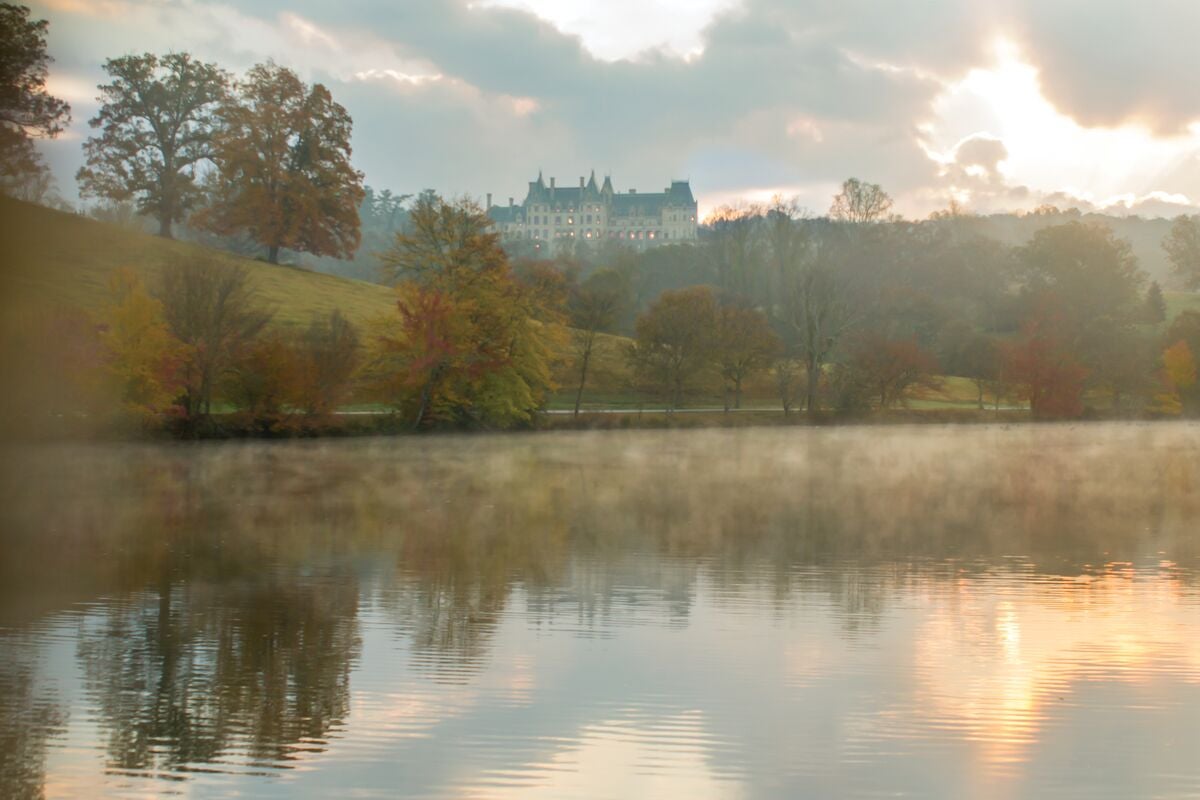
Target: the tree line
(857, 309)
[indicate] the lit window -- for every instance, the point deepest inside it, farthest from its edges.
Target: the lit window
(570, 220)
(651, 235)
(589, 234)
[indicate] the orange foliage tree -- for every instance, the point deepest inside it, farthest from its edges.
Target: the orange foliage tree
(284, 172)
(890, 368)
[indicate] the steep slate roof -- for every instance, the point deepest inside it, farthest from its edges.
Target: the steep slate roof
(562, 197)
(504, 214)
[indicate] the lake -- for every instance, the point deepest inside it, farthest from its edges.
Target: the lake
(977, 611)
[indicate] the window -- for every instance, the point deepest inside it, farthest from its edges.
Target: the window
(589, 219)
(589, 234)
(558, 220)
(570, 220)
(650, 235)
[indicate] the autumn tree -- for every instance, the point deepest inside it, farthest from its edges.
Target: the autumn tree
(860, 203)
(472, 344)
(143, 357)
(1039, 369)
(745, 344)
(1183, 249)
(328, 358)
(156, 124)
(889, 368)
(27, 110)
(1180, 367)
(595, 306)
(444, 242)
(423, 366)
(263, 378)
(213, 312)
(284, 176)
(675, 341)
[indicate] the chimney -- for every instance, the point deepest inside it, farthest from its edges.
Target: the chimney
(552, 183)
(510, 202)
(580, 181)
(489, 205)
(633, 191)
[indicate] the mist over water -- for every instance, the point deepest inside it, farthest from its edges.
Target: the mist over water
(960, 611)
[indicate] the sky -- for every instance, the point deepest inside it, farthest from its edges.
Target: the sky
(998, 105)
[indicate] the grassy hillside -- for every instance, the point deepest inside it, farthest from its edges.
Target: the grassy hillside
(49, 259)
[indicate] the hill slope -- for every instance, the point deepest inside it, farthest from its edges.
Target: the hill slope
(50, 259)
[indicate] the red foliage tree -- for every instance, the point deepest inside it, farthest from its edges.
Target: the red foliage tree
(1042, 370)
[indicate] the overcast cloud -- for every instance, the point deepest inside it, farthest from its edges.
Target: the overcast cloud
(998, 104)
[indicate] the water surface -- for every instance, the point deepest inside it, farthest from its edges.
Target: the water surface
(983, 612)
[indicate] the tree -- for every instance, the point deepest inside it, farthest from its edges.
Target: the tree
(329, 355)
(284, 173)
(263, 378)
(27, 110)
(860, 203)
(156, 124)
(473, 344)
(735, 247)
(1183, 249)
(1094, 274)
(143, 358)
(676, 341)
(890, 368)
(1180, 366)
(1156, 305)
(211, 309)
(1043, 372)
(420, 364)
(594, 308)
(816, 312)
(1186, 327)
(745, 344)
(444, 242)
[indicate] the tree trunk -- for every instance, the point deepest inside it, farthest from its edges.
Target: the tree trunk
(979, 386)
(814, 378)
(737, 394)
(164, 227)
(426, 391)
(587, 356)
(273, 254)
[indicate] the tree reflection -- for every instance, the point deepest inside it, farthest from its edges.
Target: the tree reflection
(29, 717)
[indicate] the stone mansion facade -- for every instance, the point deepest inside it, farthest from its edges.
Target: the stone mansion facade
(553, 218)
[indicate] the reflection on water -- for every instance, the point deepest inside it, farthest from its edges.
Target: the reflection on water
(984, 612)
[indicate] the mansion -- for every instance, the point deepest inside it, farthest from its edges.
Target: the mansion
(557, 217)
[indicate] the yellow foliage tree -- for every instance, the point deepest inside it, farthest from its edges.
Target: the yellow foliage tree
(143, 357)
(1180, 366)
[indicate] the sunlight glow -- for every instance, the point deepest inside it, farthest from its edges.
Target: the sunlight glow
(1047, 150)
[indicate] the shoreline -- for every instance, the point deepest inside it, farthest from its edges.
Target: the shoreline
(356, 424)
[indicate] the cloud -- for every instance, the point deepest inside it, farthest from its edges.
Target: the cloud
(739, 95)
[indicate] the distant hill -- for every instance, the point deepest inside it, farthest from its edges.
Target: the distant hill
(51, 259)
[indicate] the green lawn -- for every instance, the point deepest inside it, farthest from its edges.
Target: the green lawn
(52, 259)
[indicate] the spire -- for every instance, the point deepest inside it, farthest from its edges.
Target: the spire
(591, 184)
